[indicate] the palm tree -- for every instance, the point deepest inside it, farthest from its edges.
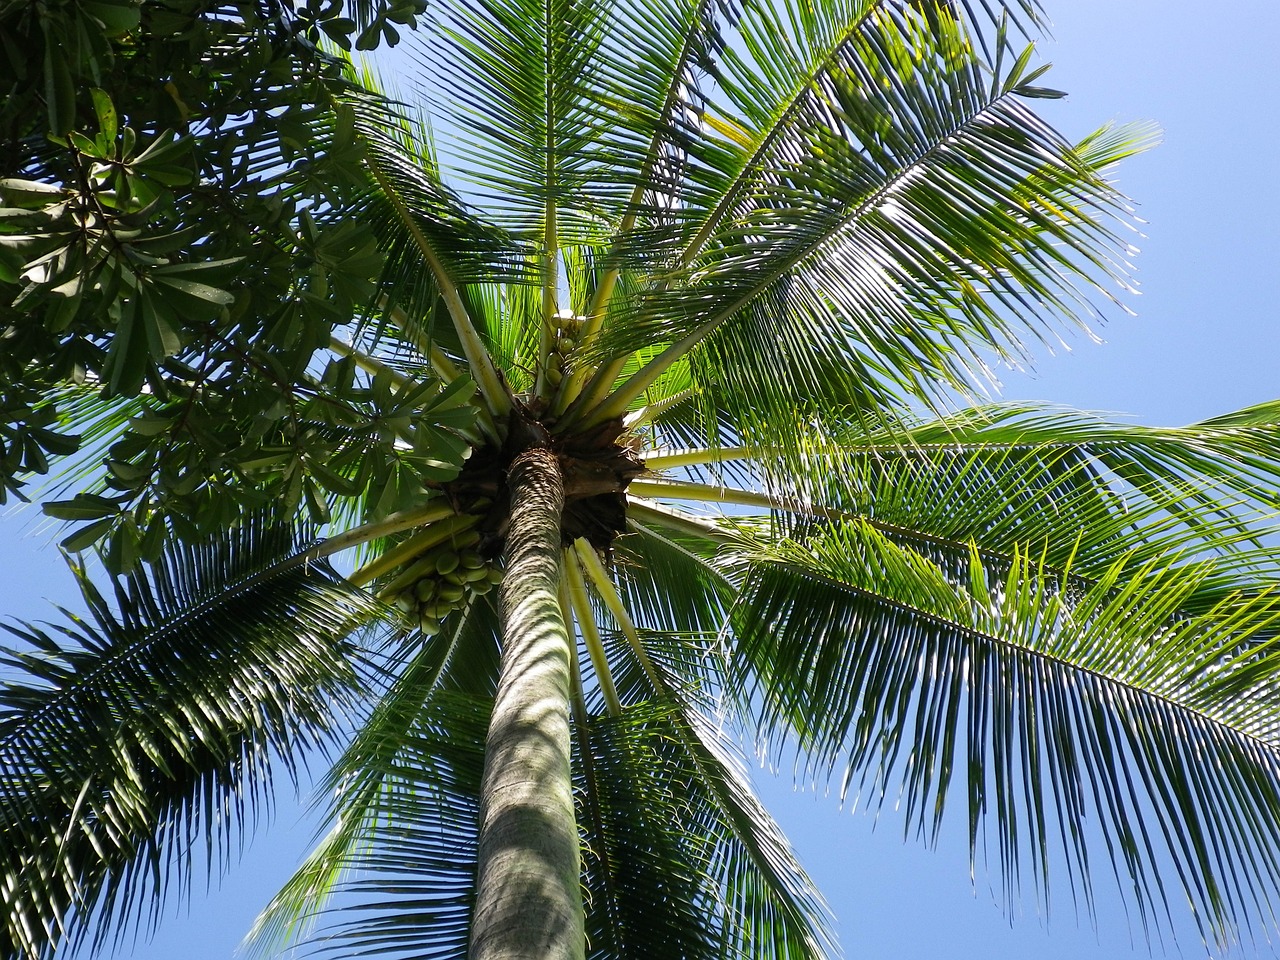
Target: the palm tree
(675, 369)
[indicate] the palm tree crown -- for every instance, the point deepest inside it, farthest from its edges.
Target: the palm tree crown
(645, 430)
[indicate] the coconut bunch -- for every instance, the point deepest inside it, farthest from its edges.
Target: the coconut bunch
(566, 327)
(441, 569)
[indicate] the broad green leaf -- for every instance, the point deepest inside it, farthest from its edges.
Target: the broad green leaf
(86, 536)
(192, 288)
(84, 506)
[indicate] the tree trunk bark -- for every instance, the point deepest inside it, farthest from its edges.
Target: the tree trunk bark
(529, 899)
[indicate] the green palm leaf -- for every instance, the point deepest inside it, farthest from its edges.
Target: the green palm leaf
(133, 735)
(1058, 701)
(1068, 487)
(412, 769)
(669, 581)
(864, 228)
(414, 199)
(402, 871)
(525, 77)
(682, 860)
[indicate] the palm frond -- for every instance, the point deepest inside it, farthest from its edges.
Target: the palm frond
(673, 829)
(400, 866)
(417, 199)
(130, 740)
(774, 88)
(428, 684)
(1069, 487)
(669, 581)
(436, 244)
(524, 78)
(1051, 703)
(659, 54)
(912, 220)
(686, 862)
(512, 323)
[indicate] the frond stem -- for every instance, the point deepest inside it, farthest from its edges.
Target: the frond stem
(433, 534)
(485, 373)
(596, 392)
(443, 367)
(582, 729)
(697, 456)
(395, 523)
(576, 590)
(656, 409)
(367, 363)
(703, 492)
(550, 233)
(677, 520)
(603, 583)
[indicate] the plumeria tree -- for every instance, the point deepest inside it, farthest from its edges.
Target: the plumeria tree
(648, 428)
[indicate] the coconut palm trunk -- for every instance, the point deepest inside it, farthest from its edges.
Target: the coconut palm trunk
(529, 902)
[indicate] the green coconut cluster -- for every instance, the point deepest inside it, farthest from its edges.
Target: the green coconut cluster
(565, 333)
(445, 569)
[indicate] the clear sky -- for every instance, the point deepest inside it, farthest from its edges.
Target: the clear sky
(1206, 341)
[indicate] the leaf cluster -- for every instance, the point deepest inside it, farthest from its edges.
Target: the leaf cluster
(129, 303)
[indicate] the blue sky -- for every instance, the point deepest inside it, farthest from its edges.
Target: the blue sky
(1205, 341)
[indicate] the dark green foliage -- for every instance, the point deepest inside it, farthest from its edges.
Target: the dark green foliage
(172, 252)
(680, 858)
(136, 739)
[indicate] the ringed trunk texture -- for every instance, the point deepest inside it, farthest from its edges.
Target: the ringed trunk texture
(529, 899)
